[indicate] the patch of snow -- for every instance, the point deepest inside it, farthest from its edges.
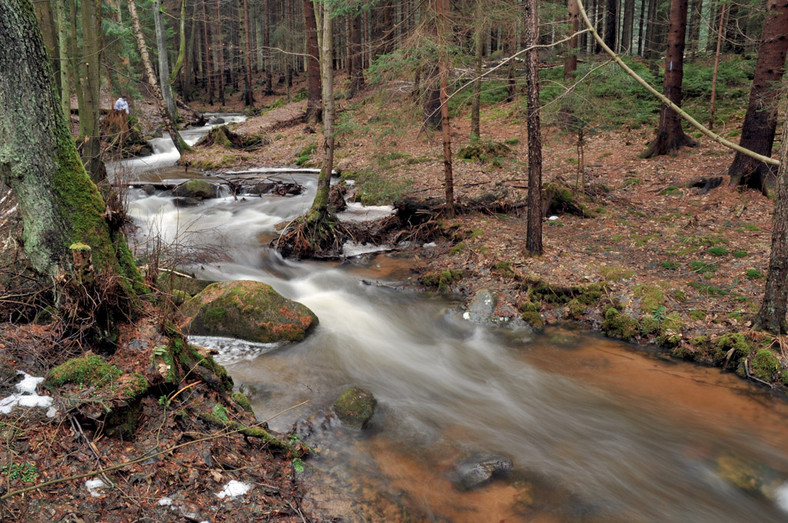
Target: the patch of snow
(165, 501)
(233, 489)
(553, 218)
(27, 397)
(357, 212)
(466, 315)
(351, 249)
(781, 496)
(93, 486)
(430, 245)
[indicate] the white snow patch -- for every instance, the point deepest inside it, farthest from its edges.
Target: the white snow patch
(27, 397)
(430, 245)
(350, 249)
(781, 496)
(93, 486)
(553, 218)
(234, 489)
(357, 212)
(466, 315)
(165, 501)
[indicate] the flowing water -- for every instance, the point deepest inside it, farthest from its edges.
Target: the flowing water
(597, 430)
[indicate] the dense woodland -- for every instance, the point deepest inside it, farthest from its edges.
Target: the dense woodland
(457, 75)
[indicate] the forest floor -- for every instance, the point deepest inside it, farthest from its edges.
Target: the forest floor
(686, 265)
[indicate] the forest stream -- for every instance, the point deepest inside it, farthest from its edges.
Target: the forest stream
(597, 430)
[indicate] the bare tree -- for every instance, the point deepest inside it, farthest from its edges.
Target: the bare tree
(533, 242)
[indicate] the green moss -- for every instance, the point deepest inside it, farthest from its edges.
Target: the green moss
(670, 330)
(442, 280)
(619, 325)
(576, 308)
(684, 353)
(765, 365)
(740, 254)
(697, 315)
(616, 273)
(504, 268)
(220, 412)
(699, 341)
(753, 274)
(457, 249)
(650, 296)
(735, 341)
(671, 190)
(355, 407)
(671, 266)
(649, 325)
(241, 399)
(534, 319)
(717, 251)
(87, 370)
(215, 315)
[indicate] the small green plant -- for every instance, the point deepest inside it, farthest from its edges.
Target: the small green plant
(717, 251)
(164, 401)
(703, 268)
(26, 471)
(671, 190)
(304, 154)
(671, 266)
(753, 274)
(740, 254)
(659, 313)
(298, 466)
(457, 249)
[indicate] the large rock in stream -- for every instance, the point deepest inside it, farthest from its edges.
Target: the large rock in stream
(247, 310)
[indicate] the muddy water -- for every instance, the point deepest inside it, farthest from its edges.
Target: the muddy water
(597, 430)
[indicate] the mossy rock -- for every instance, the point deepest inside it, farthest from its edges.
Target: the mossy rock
(748, 475)
(484, 152)
(355, 407)
(670, 330)
(241, 399)
(441, 281)
(534, 319)
(619, 325)
(576, 309)
(560, 199)
(171, 281)
(247, 310)
(199, 189)
(765, 365)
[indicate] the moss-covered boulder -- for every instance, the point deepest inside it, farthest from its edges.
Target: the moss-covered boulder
(355, 407)
(199, 189)
(620, 325)
(247, 310)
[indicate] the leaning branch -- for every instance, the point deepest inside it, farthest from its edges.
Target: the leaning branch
(699, 126)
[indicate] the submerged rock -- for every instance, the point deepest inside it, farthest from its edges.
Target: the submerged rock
(476, 471)
(247, 310)
(355, 407)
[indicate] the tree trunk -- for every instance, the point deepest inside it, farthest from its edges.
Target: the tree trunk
(696, 20)
(760, 122)
(670, 135)
(611, 23)
(570, 63)
(181, 47)
(63, 15)
(268, 90)
(771, 316)
(533, 242)
(172, 130)
(356, 55)
(60, 205)
(219, 48)
(627, 25)
(716, 68)
(478, 44)
(313, 108)
(248, 95)
(443, 60)
(90, 82)
(164, 66)
(207, 52)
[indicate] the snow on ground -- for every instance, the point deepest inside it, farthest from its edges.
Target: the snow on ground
(27, 397)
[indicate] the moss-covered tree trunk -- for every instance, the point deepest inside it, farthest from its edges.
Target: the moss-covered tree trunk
(59, 203)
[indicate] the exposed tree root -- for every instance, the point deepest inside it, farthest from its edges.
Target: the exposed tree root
(315, 235)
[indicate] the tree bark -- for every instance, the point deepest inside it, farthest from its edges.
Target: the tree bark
(169, 125)
(248, 95)
(90, 82)
(611, 23)
(356, 55)
(533, 242)
(443, 61)
(771, 316)
(60, 205)
(267, 62)
(670, 135)
(716, 68)
(478, 44)
(760, 122)
(627, 25)
(313, 107)
(63, 15)
(570, 63)
(207, 52)
(164, 65)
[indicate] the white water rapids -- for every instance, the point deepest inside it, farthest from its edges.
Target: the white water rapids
(598, 430)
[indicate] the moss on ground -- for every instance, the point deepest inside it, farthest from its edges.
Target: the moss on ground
(88, 370)
(620, 325)
(765, 365)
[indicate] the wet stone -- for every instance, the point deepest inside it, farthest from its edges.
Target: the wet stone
(476, 471)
